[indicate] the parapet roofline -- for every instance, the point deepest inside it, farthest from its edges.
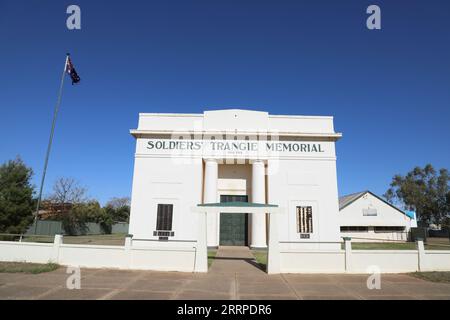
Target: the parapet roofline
(138, 133)
(201, 115)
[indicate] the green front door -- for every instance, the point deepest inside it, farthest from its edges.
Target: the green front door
(233, 226)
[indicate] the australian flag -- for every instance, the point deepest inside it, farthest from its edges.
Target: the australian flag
(71, 71)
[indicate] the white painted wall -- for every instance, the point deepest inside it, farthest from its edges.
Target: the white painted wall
(235, 119)
(363, 261)
(352, 215)
(388, 261)
(313, 124)
(304, 182)
(436, 260)
(235, 179)
(162, 180)
(294, 178)
(183, 258)
(26, 252)
(92, 256)
(173, 259)
(319, 261)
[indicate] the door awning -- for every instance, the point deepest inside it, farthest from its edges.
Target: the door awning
(237, 207)
(238, 204)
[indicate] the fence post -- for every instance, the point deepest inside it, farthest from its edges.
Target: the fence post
(57, 241)
(421, 254)
(348, 254)
(128, 253)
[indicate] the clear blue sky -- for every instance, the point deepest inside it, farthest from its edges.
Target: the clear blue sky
(389, 90)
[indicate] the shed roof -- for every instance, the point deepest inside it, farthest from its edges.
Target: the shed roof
(344, 201)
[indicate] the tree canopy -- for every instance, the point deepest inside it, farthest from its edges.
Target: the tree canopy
(423, 190)
(75, 209)
(16, 197)
(118, 209)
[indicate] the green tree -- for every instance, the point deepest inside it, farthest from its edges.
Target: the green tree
(69, 199)
(16, 197)
(73, 222)
(76, 219)
(424, 191)
(118, 209)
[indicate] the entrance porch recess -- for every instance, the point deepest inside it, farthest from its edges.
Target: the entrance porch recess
(238, 207)
(233, 226)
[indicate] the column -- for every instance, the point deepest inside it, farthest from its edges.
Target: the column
(210, 196)
(258, 196)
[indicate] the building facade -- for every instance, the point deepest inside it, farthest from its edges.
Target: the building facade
(365, 217)
(183, 160)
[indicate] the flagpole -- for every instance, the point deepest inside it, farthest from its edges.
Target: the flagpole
(52, 131)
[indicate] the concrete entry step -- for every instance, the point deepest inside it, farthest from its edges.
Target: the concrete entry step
(233, 259)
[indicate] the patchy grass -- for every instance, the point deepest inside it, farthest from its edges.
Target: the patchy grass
(37, 238)
(117, 239)
(23, 267)
(437, 247)
(435, 276)
(261, 258)
(383, 246)
(211, 256)
(438, 244)
(97, 239)
(396, 246)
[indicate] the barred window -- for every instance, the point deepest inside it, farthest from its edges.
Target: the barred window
(304, 219)
(164, 221)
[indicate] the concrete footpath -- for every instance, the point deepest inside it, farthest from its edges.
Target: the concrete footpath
(234, 274)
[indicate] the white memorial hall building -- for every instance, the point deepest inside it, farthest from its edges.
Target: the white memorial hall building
(238, 157)
(243, 178)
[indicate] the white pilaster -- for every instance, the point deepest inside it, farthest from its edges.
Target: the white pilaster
(210, 196)
(201, 255)
(258, 196)
(273, 252)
